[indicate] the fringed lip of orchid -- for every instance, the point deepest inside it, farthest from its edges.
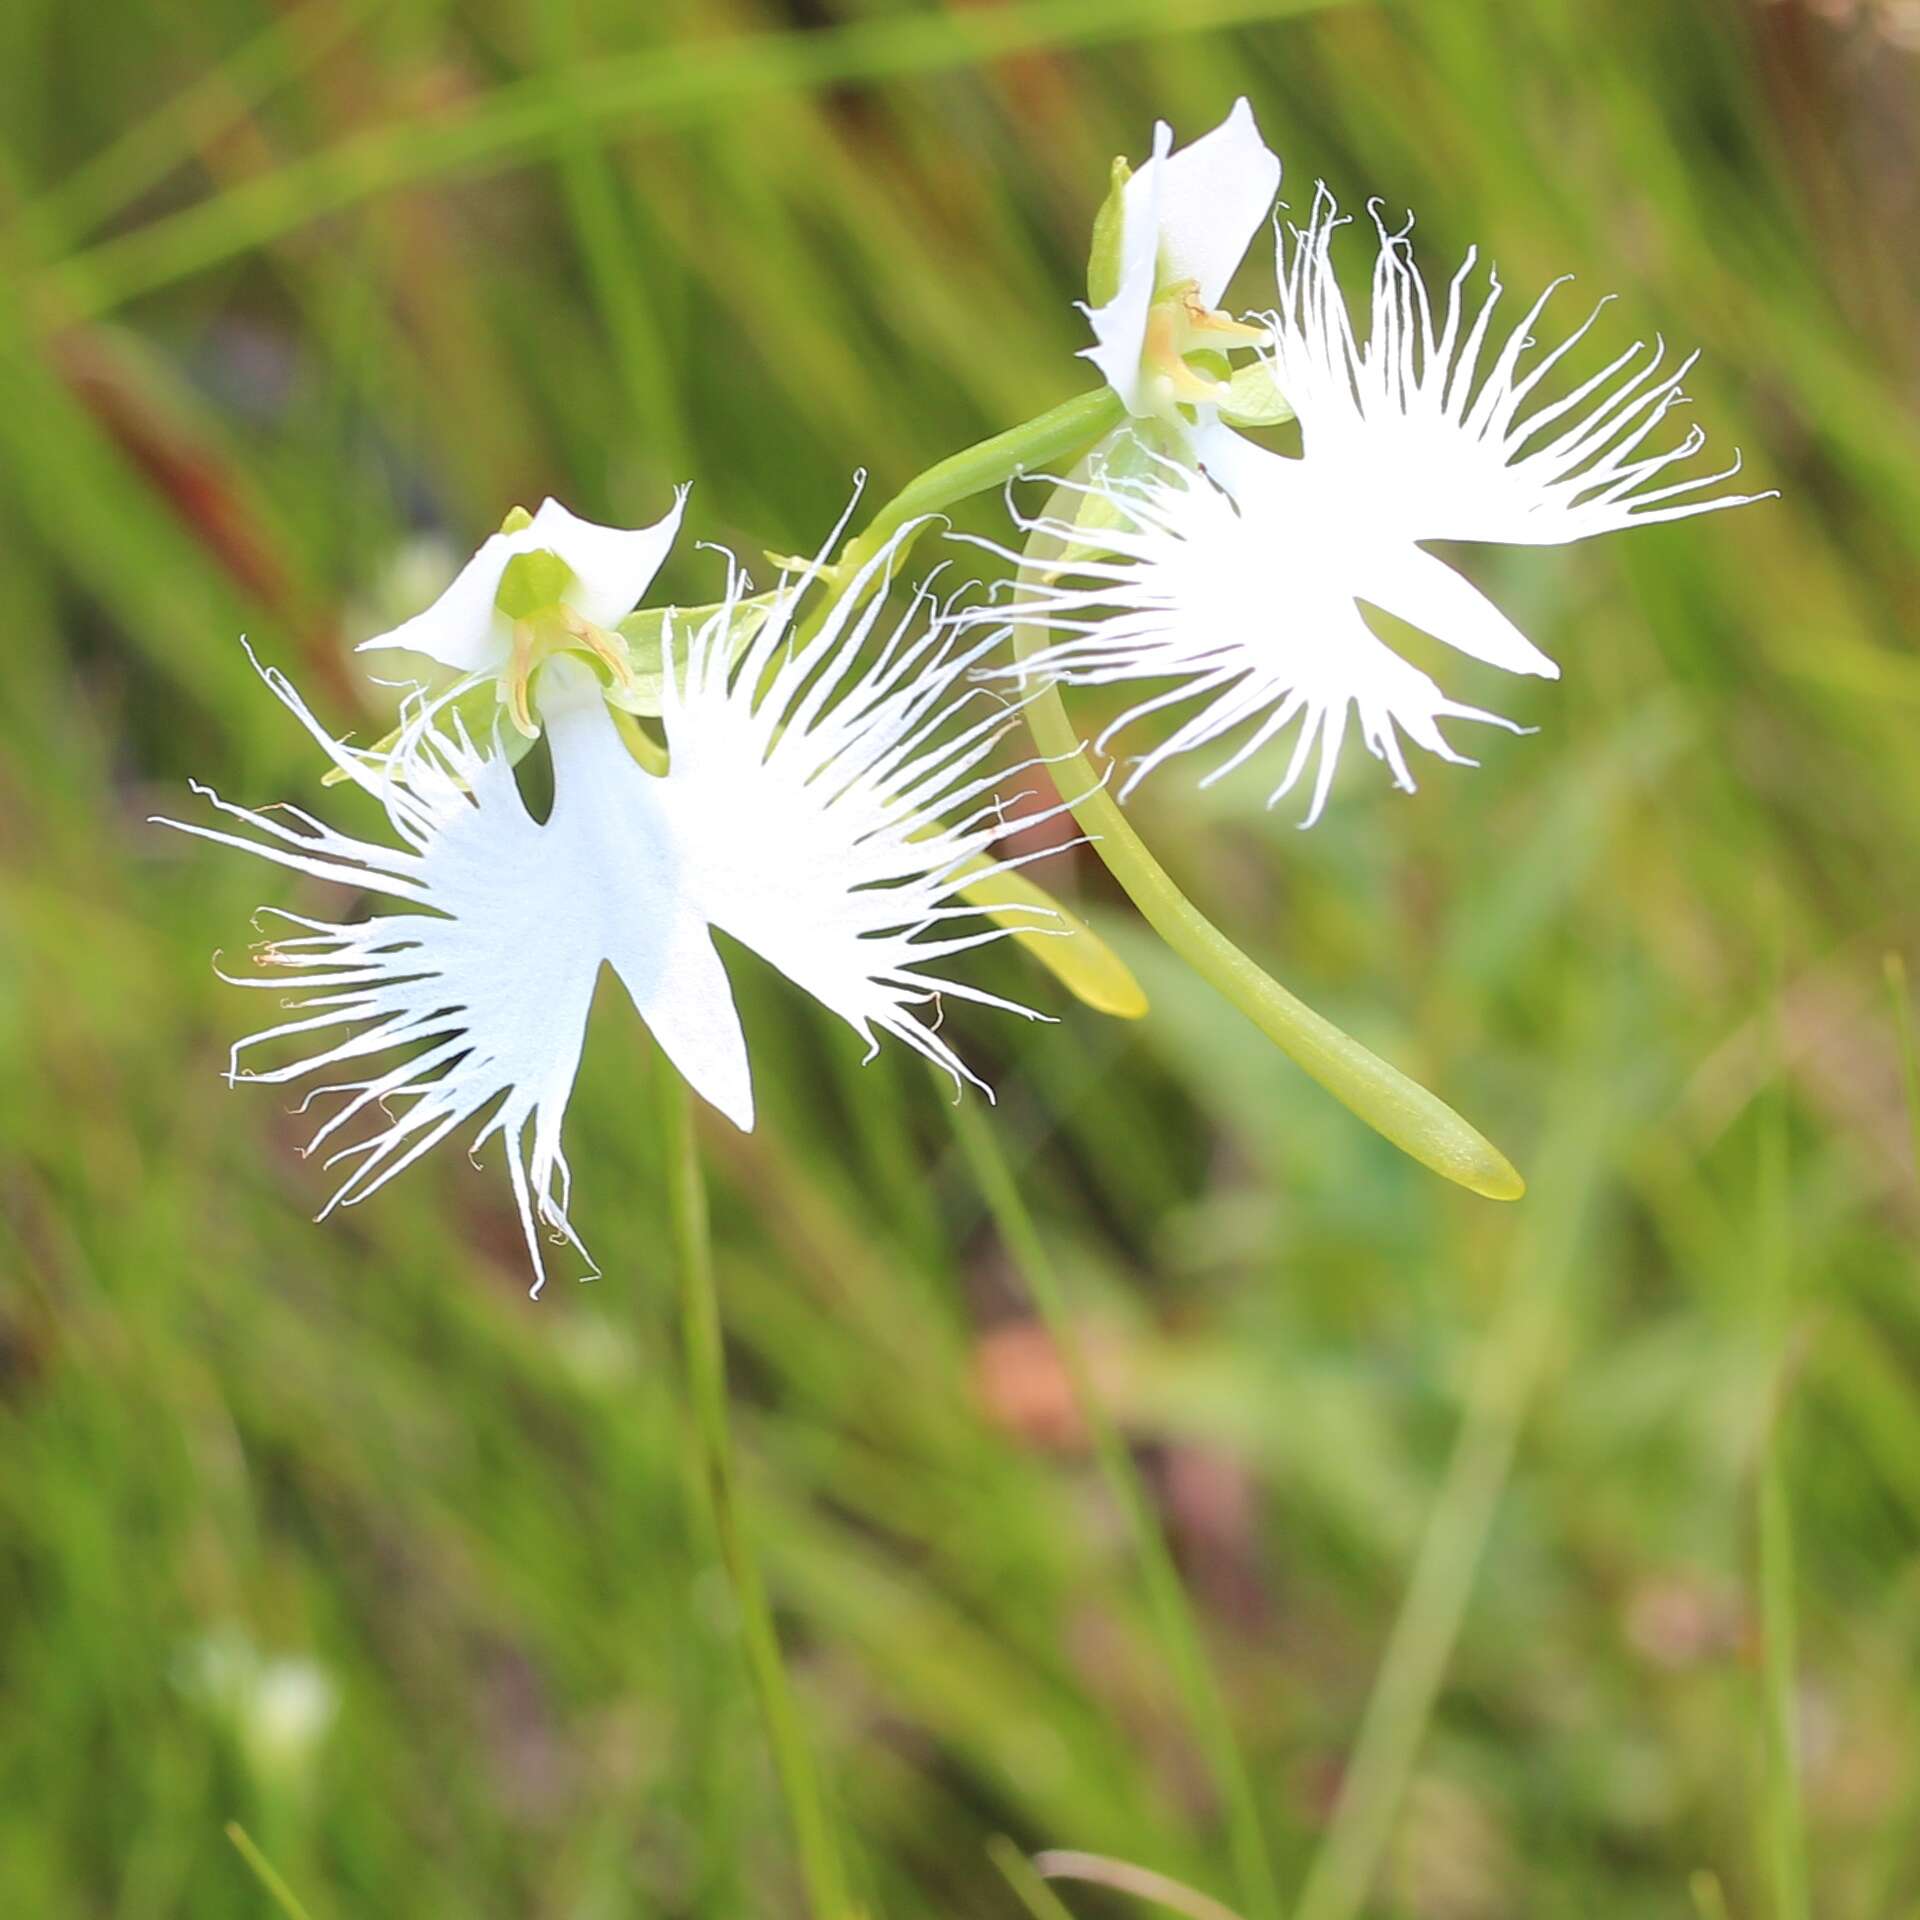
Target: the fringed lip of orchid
(1239, 575)
(826, 811)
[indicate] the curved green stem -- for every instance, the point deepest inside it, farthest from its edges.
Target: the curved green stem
(813, 1835)
(1057, 437)
(1419, 1123)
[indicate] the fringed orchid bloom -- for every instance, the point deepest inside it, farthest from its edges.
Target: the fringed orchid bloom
(1239, 575)
(818, 807)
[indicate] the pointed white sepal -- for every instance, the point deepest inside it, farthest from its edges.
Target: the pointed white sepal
(1186, 216)
(612, 569)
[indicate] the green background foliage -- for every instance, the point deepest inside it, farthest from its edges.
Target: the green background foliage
(1566, 1504)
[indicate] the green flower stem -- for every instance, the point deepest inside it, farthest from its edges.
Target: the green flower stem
(1511, 1358)
(1057, 437)
(1416, 1121)
(1401, 1110)
(814, 1842)
(1166, 1594)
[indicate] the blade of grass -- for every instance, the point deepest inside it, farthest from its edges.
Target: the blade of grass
(652, 90)
(1506, 1371)
(1123, 1877)
(262, 1868)
(1019, 1872)
(642, 358)
(1783, 1840)
(1166, 1593)
(813, 1834)
(196, 116)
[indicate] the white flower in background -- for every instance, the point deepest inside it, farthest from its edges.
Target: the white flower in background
(278, 1707)
(1165, 247)
(1241, 578)
(819, 811)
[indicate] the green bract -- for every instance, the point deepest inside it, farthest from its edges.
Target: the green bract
(645, 633)
(1129, 454)
(1254, 398)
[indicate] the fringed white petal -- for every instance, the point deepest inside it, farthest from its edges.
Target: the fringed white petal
(612, 569)
(826, 809)
(486, 984)
(1430, 431)
(1245, 601)
(817, 809)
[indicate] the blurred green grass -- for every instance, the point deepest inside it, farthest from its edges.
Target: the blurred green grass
(286, 284)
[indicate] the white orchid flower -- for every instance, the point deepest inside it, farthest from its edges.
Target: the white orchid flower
(1165, 247)
(1241, 578)
(819, 811)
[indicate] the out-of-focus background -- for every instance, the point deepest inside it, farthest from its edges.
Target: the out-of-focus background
(331, 1531)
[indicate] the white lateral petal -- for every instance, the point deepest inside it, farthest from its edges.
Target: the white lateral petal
(613, 566)
(813, 799)
(495, 977)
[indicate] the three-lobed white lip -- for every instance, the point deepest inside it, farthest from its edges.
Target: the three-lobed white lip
(1238, 574)
(817, 809)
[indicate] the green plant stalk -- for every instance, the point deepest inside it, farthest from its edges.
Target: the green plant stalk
(1419, 1123)
(263, 1870)
(1166, 1593)
(649, 90)
(1784, 1840)
(813, 1835)
(1507, 1366)
(1058, 436)
(1782, 1837)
